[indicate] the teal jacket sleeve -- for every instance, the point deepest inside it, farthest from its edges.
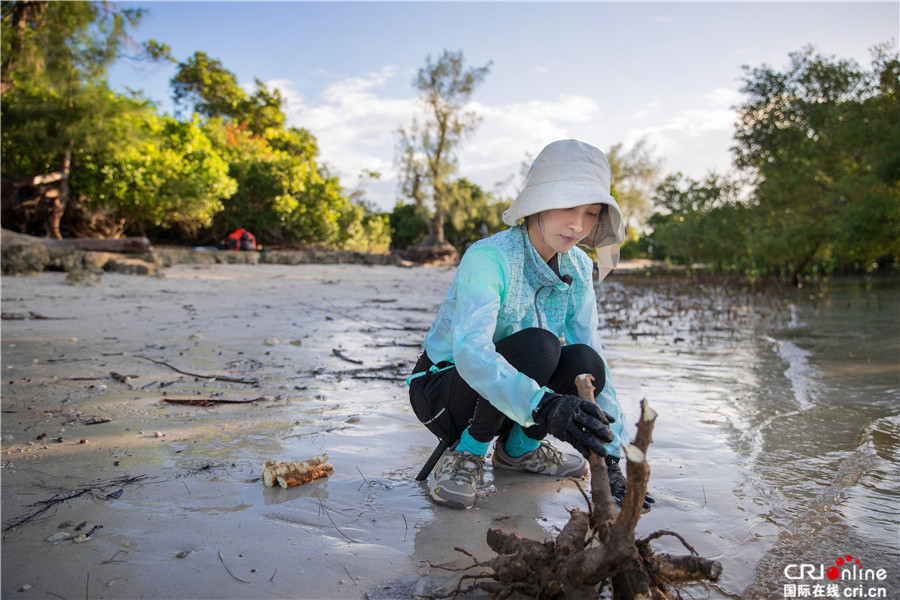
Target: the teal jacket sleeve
(479, 294)
(583, 327)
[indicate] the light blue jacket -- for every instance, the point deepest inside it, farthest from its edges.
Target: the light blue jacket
(502, 286)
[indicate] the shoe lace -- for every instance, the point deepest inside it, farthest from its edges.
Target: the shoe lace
(617, 481)
(548, 455)
(467, 464)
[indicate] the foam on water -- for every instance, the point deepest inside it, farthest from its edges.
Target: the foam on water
(800, 373)
(838, 520)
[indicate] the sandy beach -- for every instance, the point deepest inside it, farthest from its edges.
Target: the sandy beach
(172, 487)
(167, 496)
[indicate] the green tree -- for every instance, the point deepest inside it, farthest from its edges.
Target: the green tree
(172, 177)
(699, 222)
(472, 214)
(635, 173)
(426, 152)
(56, 104)
(284, 195)
(407, 226)
(822, 141)
(204, 84)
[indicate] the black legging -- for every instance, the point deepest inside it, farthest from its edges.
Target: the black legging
(535, 352)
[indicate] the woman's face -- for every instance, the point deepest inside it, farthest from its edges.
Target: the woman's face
(558, 230)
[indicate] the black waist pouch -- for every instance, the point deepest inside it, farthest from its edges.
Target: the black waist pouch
(429, 402)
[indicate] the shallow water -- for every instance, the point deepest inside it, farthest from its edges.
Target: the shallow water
(777, 440)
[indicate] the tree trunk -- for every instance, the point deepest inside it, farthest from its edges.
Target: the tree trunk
(59, 203)
(436, 229)
(127, 245)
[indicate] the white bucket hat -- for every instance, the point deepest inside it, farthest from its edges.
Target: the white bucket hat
(565, 174)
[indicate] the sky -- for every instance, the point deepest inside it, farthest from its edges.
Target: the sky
(606, 73)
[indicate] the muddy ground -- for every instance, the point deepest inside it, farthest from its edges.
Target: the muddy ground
(175, 488)
(111, 491)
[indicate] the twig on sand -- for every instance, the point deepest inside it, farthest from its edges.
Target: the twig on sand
(365, 372)
(327, 514)
(24, 317)
(46, 505)
(364, 478)
(343, 356)
(211, 401)
(201, 375)
(112, 560)
(349, 575)
(229, 570)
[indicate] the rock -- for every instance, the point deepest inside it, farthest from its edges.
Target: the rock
(24, 259)
(233, 257)
(171, 255)
(84, 276)
(83, 266)
(430, 253)
(130, 266)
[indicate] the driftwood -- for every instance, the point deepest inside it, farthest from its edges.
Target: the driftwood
(125, 245)
(293, 479)
(212, 401)
(200, 375)
(594, 548)
(289, 474)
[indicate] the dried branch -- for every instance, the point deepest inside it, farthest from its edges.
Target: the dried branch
(570, 567)
(200, 375)
(46, 505)
(229, 570)
(212, 401)
(343, 356)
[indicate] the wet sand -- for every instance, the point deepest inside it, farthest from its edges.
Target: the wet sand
(175, 489)
(200, 493)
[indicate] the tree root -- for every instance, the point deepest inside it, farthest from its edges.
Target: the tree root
(594, 548)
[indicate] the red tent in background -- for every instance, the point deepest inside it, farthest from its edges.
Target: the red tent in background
(241, 239)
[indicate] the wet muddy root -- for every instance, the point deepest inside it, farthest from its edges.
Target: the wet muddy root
(596, 548)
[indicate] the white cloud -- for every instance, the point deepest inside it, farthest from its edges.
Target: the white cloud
(694, 140)
(355, 123)
(511, 133)
(356, 126)
(650, 109)
(723, 97)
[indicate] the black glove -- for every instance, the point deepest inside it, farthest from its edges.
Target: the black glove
(618, 483)
(576, 421)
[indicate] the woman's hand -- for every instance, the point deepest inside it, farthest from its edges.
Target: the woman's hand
(576, 421)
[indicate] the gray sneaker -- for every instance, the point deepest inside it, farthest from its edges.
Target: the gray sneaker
(546, 460)
(454, 480)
